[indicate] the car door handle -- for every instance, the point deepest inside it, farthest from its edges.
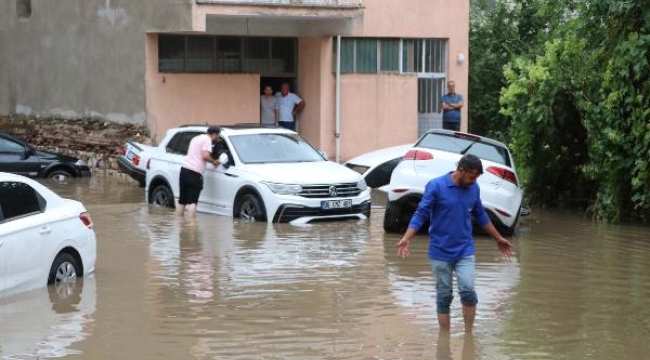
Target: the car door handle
(45, 230)
(231, 175)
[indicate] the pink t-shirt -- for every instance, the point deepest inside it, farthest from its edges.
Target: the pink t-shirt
(194, 158)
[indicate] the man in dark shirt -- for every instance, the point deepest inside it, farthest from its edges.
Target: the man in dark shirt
(449, 203)
(452, 102)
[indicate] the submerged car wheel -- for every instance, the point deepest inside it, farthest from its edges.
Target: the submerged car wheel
(393, 219)
(64, 271)
(162, 196)
(251, 208)
(59, 175)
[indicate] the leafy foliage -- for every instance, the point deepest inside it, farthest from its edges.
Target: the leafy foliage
(578, 108)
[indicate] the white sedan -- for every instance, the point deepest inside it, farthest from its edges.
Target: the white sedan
(44, 239)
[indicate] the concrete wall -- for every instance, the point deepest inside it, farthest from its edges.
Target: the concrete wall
(76, 59)
(176, 99)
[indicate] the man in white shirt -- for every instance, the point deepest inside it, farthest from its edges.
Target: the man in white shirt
(290, 106)
(191, 178)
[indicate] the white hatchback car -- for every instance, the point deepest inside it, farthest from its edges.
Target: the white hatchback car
(44, 239)
(436, 153)
(272, 175)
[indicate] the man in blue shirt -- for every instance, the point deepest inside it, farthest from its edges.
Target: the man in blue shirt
(449, 203)
(451, 105)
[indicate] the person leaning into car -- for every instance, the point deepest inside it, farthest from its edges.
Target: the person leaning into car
(190, 180)
(449, 202)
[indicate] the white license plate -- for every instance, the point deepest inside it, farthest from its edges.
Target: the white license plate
(130, 155)
(335, 204)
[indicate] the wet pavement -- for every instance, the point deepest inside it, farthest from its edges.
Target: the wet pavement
(218, 288)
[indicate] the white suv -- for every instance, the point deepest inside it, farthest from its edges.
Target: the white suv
(272, 174)
(436, 153)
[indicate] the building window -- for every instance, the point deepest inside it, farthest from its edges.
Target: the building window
(225, 54)
(24, 9)
(371, 55)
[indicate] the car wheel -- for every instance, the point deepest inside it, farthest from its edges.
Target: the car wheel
(59, 175)
(64, 271)
(251, 208)
(392, 219)
(162, 196)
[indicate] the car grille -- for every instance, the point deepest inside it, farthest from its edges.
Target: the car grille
(287, 213)
(330, 191)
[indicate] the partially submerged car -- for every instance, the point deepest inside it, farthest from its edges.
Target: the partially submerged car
(377, 166)
(133, 159)
(44, 239)
(436, 153)
(18, 157)
(272, 174)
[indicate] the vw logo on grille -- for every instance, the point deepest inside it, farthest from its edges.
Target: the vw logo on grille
(332, 191)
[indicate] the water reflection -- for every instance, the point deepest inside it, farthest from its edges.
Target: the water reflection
(47, 322)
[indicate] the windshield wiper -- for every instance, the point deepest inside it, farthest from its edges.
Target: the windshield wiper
(466, 149)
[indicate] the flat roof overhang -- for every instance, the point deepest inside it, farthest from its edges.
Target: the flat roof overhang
(265, 20)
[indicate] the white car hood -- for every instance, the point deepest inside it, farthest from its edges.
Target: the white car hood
(380, 156)
(305, 173)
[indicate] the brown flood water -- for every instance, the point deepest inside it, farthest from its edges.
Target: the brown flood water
(220, 288)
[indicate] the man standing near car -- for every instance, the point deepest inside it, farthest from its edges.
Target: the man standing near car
(290, 106)
(190, 180)
(452, 102)
(449, 203)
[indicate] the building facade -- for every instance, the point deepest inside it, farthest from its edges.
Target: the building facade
(371, 72)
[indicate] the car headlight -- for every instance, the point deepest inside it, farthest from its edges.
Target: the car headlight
(362, 185)
(283, 189)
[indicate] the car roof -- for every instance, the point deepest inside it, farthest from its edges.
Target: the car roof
(465, 134)
(242, 128)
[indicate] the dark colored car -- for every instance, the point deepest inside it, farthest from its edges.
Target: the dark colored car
(20, 158)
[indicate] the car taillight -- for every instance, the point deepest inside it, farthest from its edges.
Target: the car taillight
(86, 220)
(123, 150)
(136, 160)
(418, 155)
(503, 173)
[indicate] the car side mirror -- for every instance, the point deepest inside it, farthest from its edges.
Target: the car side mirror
(224, 160)
(27, 153)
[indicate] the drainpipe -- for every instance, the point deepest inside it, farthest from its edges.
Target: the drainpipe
(337, 134)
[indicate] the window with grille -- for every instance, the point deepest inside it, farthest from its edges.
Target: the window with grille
(268, 56)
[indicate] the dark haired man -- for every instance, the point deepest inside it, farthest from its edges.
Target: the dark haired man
(449, 203)
(190, 179)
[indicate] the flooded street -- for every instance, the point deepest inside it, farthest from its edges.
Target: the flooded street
(218, 288)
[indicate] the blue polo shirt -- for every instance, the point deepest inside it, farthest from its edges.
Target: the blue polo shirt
(449, 208)
(451, 115)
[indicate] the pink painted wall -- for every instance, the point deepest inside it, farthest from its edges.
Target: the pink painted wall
(176, 99)
(447, 19)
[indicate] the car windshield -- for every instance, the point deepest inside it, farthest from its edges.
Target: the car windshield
(465, 145)
(274, 148)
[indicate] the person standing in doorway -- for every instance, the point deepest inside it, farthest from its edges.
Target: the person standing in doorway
(291, 105)
(452, 102)
(269, 109)
(449, 203)
(190, 181)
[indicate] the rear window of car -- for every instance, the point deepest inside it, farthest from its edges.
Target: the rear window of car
(18, 199)
(466, 145)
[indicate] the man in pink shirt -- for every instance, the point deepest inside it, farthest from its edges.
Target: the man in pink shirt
(191, 178)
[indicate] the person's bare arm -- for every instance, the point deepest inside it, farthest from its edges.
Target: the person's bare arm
(299, 108)
(504, 245)
(207, 157)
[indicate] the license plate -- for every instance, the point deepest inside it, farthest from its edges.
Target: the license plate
(335, 204)
(130, 155)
